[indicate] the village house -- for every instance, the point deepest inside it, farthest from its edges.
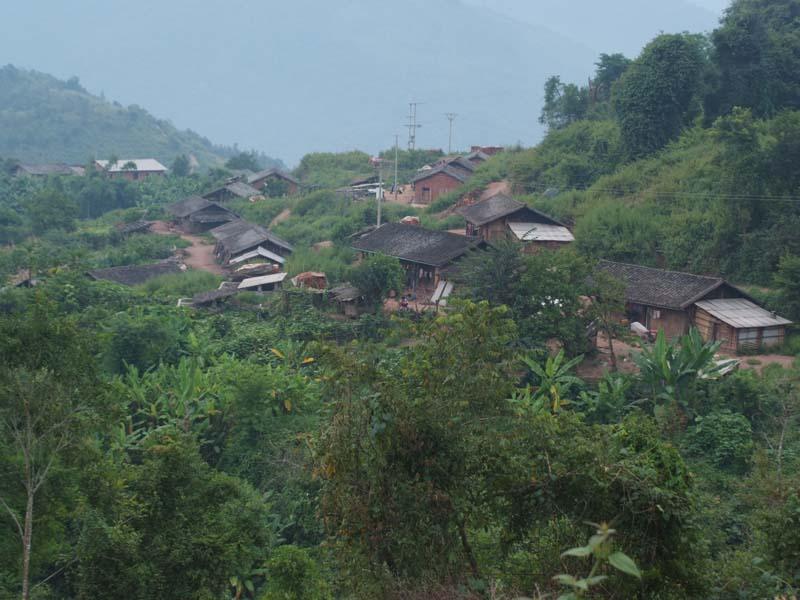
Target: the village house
(45, 170)
(429, 184)
(673, 302)
(240, 241)
(502, 217)
(274, 183)
(477, 157)
(231, 191)
(426, 255)
(132, 169)
(136, 274)
(265, 283)
(195, 214)
(487, 150)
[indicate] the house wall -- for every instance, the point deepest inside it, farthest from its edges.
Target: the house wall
(291, 187)
(674, 323)
(713, 330)
(429, 189)
(135, 175)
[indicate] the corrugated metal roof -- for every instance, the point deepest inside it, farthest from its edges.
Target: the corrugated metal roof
(260, 251)
(541, 232)
(142, 164)
(741, 313)
(263, 280)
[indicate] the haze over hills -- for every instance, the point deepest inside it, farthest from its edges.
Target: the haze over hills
(43, 119)
(290, 78)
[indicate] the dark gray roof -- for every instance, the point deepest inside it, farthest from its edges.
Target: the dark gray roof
(235, 188)
(133, 227)
(50, 169)
(187, 206)
(447, 169)
(241, 235)
(413, 243)
(346, 292)
(214, 295)
(135, 274)
(666, 289)
(479, 154)
(460, 162)
(270, 173)
(500, 206)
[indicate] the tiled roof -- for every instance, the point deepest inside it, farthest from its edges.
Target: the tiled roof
(446, 169)
(242, 235)
(187, 206)
(135, 274)
(501, 205)
(657, 287)
(415, 244)
(272, 172)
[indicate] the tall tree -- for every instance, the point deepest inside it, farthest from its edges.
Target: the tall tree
(659, 93)
(48, 396)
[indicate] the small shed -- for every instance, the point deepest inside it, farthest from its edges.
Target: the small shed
(313, 280)
(265, 283)
(348, 298)
(739, 324)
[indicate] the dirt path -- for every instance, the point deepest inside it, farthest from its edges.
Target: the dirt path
(281, 217)
(200, 255)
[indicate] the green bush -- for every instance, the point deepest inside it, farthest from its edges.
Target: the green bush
(725, 438)
(293, 575)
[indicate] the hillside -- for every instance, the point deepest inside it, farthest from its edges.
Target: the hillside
(44, 119)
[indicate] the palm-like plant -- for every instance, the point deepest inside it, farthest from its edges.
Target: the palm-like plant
(555, 380)
(671, 370)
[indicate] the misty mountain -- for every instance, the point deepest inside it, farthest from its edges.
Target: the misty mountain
(310, 75)
(43, 119)
(619, 26)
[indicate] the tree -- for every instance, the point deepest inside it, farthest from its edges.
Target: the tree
(244, 161)
(181, 167)
(48, 397)
(756, 51)
(609, 68)
(377, 275)
(787, 280)
(493, 275)
(564, 103)
(51, 209)
(608, 303)
(659, 93)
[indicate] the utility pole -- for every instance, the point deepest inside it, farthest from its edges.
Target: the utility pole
(450, 117)
(396, 138)
(412, 125)
(376, 162)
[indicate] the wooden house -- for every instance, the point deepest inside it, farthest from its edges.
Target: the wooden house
(425, 254)
(240, 241)
(195, 214)
(132, 169)
(231, 191)
(502, 217)
(673, 302)
(46, 170)
(274, 183)
(431, 183)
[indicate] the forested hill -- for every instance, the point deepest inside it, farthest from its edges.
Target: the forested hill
(44, 119)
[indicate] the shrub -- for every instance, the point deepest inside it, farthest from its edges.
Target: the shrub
(724, 437)
(294, 575)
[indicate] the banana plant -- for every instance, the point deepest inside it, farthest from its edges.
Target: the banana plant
(555, 380)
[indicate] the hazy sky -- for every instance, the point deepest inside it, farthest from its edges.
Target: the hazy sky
(292, 77)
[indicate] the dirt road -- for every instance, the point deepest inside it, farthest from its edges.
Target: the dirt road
(200, 255)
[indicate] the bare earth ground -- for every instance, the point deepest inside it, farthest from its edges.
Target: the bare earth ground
(593, 367)
(200, 255)
(281, 217)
